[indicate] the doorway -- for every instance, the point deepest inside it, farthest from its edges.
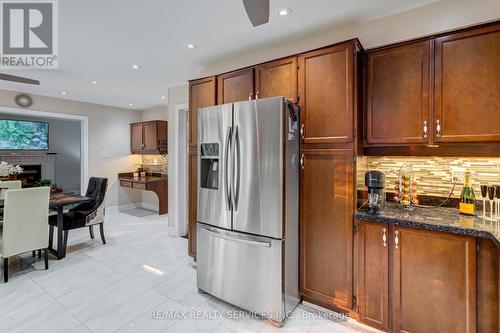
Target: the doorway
(180, 160)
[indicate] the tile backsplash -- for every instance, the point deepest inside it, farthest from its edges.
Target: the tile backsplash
(433, 174)
(153, 163)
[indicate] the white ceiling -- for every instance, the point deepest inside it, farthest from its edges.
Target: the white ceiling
(101, 39)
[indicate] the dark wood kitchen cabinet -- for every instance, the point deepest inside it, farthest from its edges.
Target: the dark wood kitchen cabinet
(193, 203)
(373, 274)
(467, 85)
(326, 213)
(202, 93)
(434, 282)
(235, 86)
(277, 78)
(326, 84)
(148, 137)
(398, 101)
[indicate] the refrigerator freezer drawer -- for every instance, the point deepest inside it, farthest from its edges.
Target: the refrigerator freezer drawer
(242, 270)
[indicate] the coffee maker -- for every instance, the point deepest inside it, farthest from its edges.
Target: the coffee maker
(375, 182)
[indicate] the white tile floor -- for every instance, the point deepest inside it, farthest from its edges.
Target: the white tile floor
(115, 287)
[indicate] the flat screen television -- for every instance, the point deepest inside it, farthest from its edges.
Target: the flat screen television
(23, 135)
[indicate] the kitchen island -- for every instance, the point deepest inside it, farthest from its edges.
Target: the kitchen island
(155, 182)
(427, 270)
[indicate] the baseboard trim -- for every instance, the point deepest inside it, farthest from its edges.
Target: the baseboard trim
(144, 205)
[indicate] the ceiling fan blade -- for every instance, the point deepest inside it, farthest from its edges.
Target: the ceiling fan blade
(18, 79)
(257, 11)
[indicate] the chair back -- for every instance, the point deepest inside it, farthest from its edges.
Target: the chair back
(25, 220)
(9, 185)
(96, 190)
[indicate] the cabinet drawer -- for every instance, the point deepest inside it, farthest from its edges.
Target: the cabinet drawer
(125, 183)
(139, 186)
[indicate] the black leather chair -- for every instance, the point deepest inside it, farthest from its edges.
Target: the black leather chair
(86, 214)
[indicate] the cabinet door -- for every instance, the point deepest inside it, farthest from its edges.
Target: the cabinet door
(326, 213)
(136, 138)
(235, 86)
(398, 99)
(192, 205)
(326, 81)
(201, 94)
(277, 78)
(434, 282)
(467, 85)
(373, 274)
(150, 135)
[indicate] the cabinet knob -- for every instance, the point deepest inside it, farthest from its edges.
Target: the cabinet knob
(384, 237)
(438, 128)
(257, 95)
(302, 161)
(250, 96)
(425, 129)
(396, 240)
(302, 130)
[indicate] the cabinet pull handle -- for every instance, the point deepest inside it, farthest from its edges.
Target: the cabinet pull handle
(302, 130)
(425, 129)
(250, 96)
(438, 128)
(384, 237)
(257, 95)
(396, 240)
(302, 161)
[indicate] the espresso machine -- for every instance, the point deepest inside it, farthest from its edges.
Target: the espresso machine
(375, 182)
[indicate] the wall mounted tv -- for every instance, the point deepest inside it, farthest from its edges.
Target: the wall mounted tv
(23, 135)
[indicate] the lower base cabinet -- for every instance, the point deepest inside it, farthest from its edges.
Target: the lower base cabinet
(373, 275)
(416, 281)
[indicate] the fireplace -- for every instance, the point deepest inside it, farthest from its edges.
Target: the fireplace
(30, 175)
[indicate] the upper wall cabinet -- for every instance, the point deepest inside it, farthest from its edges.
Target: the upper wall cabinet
(326, 83)
(398, 98)
(467, 85)
(235, 86)
(201, 94)
(148, 137)
(277, 78)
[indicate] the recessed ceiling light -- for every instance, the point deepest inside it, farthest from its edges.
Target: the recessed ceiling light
(191, 46)
(130, 104)
(95, 82)
(63, 93)
(163, 97)
(284, 11)
(135, 66)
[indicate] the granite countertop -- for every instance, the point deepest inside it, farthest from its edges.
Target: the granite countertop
(144, 180)
(434, 219)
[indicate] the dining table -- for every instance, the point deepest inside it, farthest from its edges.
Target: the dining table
(57, 202)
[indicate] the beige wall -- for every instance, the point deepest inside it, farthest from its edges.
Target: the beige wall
(436, 17)
(155, 113)
(108, 131)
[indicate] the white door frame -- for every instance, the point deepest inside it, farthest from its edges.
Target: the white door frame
(179, 199)
(84, 136)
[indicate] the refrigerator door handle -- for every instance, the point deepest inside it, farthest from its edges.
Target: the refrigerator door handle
(234, 239)
(237, 168)
(226, 168)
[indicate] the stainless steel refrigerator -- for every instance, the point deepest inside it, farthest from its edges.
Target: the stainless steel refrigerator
(248, 205)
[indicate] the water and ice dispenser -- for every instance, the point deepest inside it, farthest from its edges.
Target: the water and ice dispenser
(209, 166)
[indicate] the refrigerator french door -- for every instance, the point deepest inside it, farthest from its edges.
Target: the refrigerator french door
(247, 236)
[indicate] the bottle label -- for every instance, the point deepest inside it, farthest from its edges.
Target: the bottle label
(467, 208)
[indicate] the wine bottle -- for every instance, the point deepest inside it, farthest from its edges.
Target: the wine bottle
(467, 197)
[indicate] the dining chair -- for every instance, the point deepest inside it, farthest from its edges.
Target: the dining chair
(86, 214)
(8, 185)
(25, 224)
